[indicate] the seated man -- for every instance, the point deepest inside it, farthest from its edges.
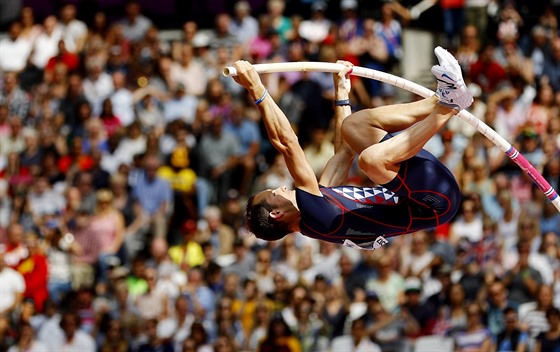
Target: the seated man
(416, 191)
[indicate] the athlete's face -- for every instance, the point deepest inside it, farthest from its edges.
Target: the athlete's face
(278, 198)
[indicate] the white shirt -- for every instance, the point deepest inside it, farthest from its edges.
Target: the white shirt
(75, 29)
(12, 283)
(130, 147)
(96, 91)
(36, 346)
(122, 106)
(346, 343)
(470, 230)
(82, 342)
(245, 30)
(194, 77)
(14, 54)
(46, 46)
(49, 202)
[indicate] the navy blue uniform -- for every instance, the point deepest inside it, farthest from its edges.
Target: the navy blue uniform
(423, 195)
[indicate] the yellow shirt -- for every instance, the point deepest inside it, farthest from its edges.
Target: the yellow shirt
(190, 254)
(182, 180)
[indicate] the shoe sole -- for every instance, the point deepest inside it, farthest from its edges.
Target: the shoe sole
(446, 59)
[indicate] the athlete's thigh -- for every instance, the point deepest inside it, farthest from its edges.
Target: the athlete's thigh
(360, 132)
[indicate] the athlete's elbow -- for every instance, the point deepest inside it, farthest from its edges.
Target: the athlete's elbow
(285, 142)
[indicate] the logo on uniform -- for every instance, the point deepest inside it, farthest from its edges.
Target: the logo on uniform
(367, 195)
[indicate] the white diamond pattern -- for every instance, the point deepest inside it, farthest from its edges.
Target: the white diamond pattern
(368, 195)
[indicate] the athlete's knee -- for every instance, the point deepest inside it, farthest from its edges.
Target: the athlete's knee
(351, 126)
(374, 162)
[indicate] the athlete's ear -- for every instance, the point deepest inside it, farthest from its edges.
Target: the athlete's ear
(276, 214)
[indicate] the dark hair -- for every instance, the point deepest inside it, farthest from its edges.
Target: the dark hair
(258, 221)
(552, 311)
(510, 309)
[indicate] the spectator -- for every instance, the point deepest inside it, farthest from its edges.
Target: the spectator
(418, 261)
(156, 342)
(243, 25)
(476, 335)
(69, 336)
(14, 49)
(14, 248)
(114, 337)
(244, 261)
(534, 320)
(122, 99)
(486, 71)
(319, 150)
(423, 312)
(98, 84)
(188, 253)
(279, 337)
(200, 296)
(511, 338)
(550, 340)
(153, 303)
(85, 258)
(468, 226)
(389, 329)
(12, 289)
(63, 58)
(220, 149)
(30, 28)
(132, 144)
(18, 103)
(389, 284)
(180, 321)
(372, 52)
(498, 308)
(135, 24)
(75, 28)
(154, 195)
(34, 270)
(357, 340)
(181, 106)
(452, 317)
(111, 122)
(220, 235)
(523, 280)
(46, 44)
(149, 110)
(247, 132)
(227, 324)
(107, 224)
(261, 321)
(26, 340)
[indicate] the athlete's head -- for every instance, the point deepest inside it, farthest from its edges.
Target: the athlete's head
(272, 214)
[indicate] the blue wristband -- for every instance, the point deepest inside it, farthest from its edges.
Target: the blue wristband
(257, 102)
(342, 102)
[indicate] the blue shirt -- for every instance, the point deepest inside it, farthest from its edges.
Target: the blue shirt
(152, 194)
(247, 132)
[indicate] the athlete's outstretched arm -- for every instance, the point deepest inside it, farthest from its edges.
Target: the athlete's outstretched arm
(278, 128)
(337, 168)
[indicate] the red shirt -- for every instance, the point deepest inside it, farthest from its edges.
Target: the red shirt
(111, 124)
(70, 60)
(35, 272)
(488, 75)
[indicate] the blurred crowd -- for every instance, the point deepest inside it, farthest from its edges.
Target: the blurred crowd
(126, 160)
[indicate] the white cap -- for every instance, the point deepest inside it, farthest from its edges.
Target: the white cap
(413, 284)
(349, 4)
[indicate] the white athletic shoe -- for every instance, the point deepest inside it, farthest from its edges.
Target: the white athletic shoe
(451, 90)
